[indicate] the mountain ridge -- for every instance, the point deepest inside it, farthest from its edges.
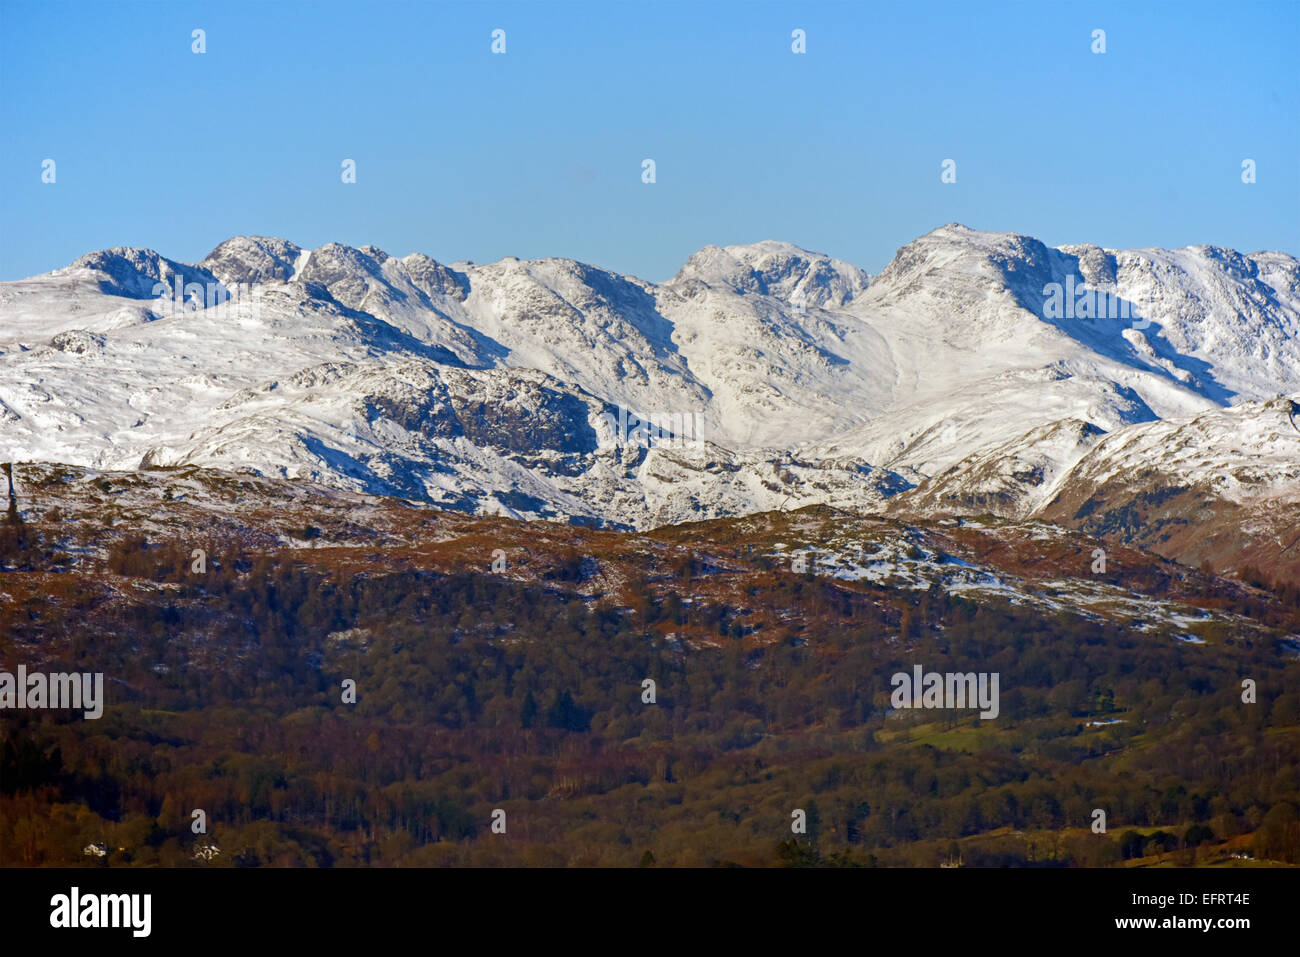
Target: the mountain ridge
(813, 381)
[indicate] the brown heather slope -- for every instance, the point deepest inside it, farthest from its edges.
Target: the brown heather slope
(103, 529)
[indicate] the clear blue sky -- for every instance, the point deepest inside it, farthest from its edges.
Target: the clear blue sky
(465, 155)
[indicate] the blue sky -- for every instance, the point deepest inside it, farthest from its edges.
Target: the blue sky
(462, 154)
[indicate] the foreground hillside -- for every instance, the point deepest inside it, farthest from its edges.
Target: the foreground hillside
(501, 665)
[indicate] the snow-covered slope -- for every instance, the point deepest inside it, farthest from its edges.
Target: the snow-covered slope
(1221, 486)
(979, 358)
(1012, 479)
(491, 388)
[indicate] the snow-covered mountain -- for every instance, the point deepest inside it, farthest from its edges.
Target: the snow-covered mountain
(988, 362)
(1223, 486)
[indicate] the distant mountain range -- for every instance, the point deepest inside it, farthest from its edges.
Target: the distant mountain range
(1145, 394)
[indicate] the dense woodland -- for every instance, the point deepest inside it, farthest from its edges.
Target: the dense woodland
(478, 692)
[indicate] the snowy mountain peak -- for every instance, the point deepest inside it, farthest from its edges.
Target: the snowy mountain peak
(983, 260)
(348, 273)
(778, 269)
(246, 259)
(132, 272)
